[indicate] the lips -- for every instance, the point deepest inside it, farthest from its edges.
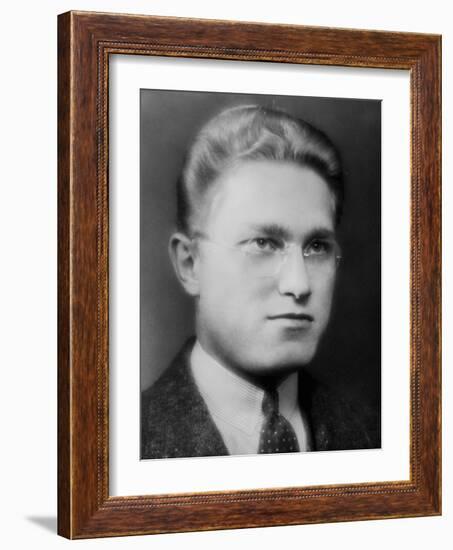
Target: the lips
(301, 317)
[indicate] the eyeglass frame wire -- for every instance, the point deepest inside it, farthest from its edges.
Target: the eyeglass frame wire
(283, 253)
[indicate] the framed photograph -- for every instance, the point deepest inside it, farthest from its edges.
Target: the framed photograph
(249, 275)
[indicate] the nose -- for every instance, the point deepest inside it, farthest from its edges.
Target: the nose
(293, 279)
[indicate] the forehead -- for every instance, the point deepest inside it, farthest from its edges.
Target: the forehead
(266, 192)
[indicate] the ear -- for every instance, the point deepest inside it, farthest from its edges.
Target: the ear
(184, 257)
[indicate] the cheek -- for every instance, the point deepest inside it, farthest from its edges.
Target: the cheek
(226, 289)
(324, 296)
(218, 283)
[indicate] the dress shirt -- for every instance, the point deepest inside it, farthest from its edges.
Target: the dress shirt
(235, 404)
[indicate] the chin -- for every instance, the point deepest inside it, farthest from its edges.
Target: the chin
(297, 352)
(283, 358)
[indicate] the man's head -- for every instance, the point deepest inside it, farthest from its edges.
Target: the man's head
(258, 203)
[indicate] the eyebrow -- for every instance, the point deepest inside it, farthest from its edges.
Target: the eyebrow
(280, 232)
(272, 230)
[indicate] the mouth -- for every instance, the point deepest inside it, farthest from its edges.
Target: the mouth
(293, 320)
(292, 316)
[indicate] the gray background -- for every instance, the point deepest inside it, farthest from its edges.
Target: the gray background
(350, 353)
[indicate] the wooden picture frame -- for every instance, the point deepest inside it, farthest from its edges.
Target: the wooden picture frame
(85, 42)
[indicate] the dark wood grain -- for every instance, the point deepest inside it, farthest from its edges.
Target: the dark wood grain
(64, 367)
(85, 42)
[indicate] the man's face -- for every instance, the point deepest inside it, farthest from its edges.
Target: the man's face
(260, 321)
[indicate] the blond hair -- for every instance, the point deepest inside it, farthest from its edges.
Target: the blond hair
(252, 132)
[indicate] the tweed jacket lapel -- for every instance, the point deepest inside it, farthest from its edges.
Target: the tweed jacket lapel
(335, 424)
(175, 418)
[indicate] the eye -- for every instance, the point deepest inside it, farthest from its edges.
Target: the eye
(319, 247)
(261, 245)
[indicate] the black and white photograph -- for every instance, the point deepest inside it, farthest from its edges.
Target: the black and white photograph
(260, 274)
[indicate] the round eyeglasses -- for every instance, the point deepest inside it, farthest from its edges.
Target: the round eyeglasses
(265, 256)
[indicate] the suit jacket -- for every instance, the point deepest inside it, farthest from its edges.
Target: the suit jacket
(175, 421)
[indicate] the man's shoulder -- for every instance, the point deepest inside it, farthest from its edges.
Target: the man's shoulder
(338, 421)
(166, 391)
(175, 421)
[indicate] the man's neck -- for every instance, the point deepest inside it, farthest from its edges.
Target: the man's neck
(265, 380)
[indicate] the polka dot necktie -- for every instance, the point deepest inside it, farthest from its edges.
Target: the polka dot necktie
(277, 434)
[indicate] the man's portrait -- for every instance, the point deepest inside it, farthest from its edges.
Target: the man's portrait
(260, 274)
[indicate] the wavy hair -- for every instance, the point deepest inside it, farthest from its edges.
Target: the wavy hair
(252, 132)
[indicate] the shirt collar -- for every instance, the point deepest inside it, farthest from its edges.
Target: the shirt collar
(234, 399)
